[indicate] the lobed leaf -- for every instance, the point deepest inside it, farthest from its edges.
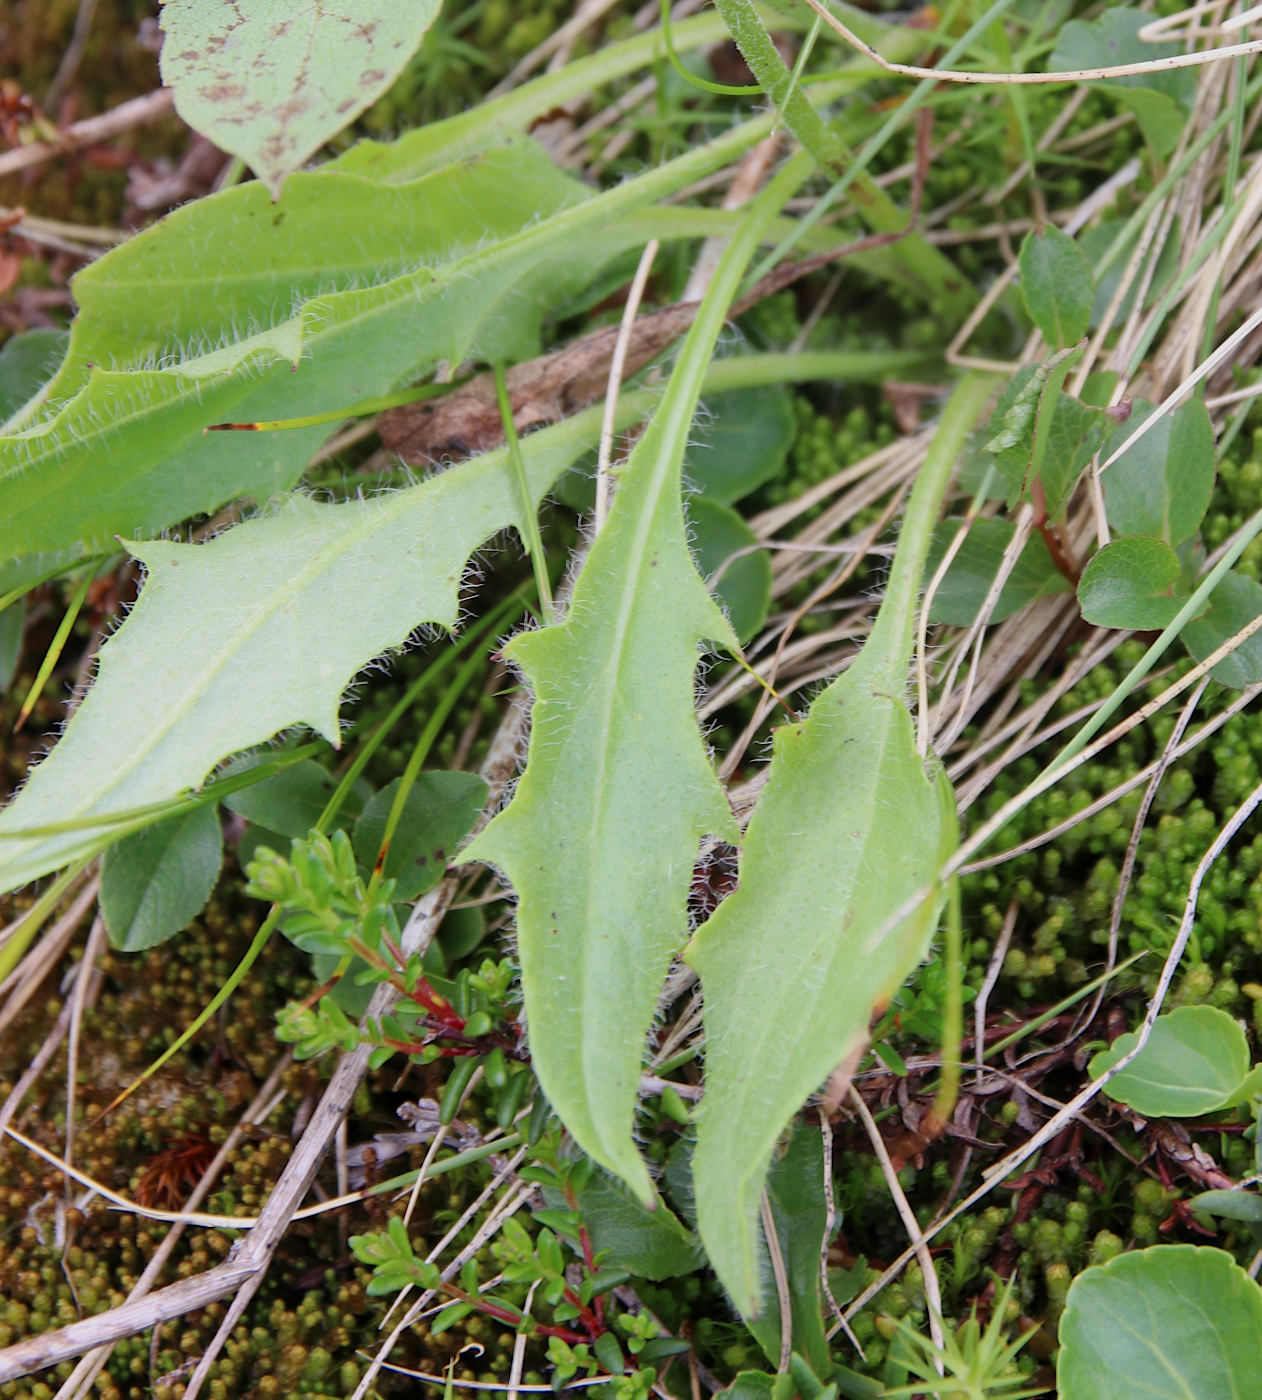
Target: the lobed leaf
(602, 833)
(235, 308)
(304, 597)
(272, 82)
(852, 823)
(1170, 1320)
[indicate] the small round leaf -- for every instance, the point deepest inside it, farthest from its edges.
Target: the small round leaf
(1056, 285)
(1130, 583)
(1170, 1321)
(1194, 1062)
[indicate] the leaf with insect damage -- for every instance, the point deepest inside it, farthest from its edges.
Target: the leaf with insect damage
(852, 825)
(602, 833)
(238, 308)
(272, 82)
(304, 597)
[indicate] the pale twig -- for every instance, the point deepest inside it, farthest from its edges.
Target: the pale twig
(1210, 727)
(616, 363)
(249, 1259)
(919, 1246)
(519, 1347)
(72, 56)
(1159, 769)
(1076, 75)
(27, 977)
(90, 131)
(781, 1277)
(78, 1000)
(263, 1104)
(830, 1224)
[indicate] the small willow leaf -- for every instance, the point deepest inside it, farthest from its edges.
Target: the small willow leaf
(273, 82)
(1056, 285)
(851, 825)
(1130, 583)
(154, 882)
(303, 598)
(602, 833)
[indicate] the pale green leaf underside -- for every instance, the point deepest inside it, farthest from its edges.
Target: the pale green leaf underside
(602, 834)
(259, 629)
(600, 839)
(850, 827)
(272, 82)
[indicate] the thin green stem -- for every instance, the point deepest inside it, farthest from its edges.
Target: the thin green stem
(888, 649)
(530, 535)
(932, 260)
(55, 648)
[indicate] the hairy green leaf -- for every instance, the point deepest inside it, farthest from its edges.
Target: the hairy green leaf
(27, 362)
(852, 824)
(153, 882)
(305, 596)
(238, 308)
(1170, 1320)
(1130, 583)
(1193, 1062)
(602, 833)
(1056, 285)
(1161, 485)
(1233, 605)
(271, 82)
